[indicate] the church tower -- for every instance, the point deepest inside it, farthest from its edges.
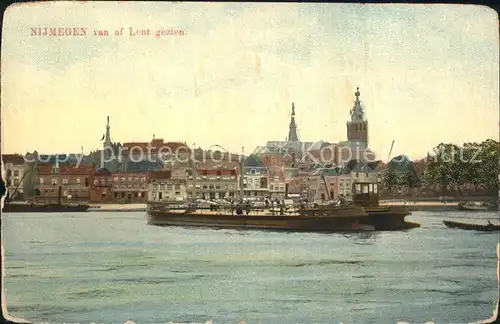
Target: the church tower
(292, 132)
(357, 127)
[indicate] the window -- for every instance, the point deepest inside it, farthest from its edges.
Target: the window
(78, 180)
(16, 173)
(115, 179)
(177, 187)
(358, 187)
(42, 180)
(143, 179)
(169, 187)
(96, 181)
(136, 178)
(204, 186)
(102, 182)
(211, 186)
(54, 181)
(129, 179)
(123, 186)
(375, 188)
(16, 182)
(123, 179)
(365, 189)
(130, 186)
(64, 181)
(217, 187)
(177, 193)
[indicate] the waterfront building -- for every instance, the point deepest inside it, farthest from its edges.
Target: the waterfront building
(130, 187)
(163, 187)
(213, 183)
(101, 186)
(255, 182)
(277, 184)
(73, 180)
(13, 169)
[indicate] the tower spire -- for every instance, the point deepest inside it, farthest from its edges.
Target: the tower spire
(357, 112)
(107, 139)
(292, 132)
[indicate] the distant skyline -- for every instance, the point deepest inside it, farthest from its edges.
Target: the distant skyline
(427, 74)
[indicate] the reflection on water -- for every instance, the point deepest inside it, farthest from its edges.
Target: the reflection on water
(107, 267)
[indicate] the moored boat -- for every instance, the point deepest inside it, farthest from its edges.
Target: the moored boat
(243, 216)
(23, 207)
(473, 227)
(472, 206)
(32, 207)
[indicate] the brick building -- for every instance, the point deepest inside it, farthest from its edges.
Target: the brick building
(213, 183)
(101, 186)
(130, 187)
(73, 180)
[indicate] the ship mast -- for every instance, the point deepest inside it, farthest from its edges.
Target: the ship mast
(241, 166)
(194, 173)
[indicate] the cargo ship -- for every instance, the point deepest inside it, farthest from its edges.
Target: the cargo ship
(363, 214)
(244, 216)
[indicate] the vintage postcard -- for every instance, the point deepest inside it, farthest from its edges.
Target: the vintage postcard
(197, 162)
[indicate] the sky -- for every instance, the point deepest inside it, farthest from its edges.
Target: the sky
(427, 74)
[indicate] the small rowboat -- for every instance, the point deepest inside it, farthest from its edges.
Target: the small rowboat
(473, 227)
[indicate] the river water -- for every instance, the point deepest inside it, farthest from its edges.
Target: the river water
(112, 267)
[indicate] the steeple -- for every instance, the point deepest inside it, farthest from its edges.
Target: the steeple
(107, 139)
(292, 132)
(357, 112)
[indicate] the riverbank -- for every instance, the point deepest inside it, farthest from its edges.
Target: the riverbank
(423, 205)
(117, 207)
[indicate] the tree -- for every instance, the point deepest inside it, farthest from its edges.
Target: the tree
(453, 167)
(390, 179)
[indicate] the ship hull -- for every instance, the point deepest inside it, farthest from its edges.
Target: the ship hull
(20, 208)
(348, 219)
(389, 218)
